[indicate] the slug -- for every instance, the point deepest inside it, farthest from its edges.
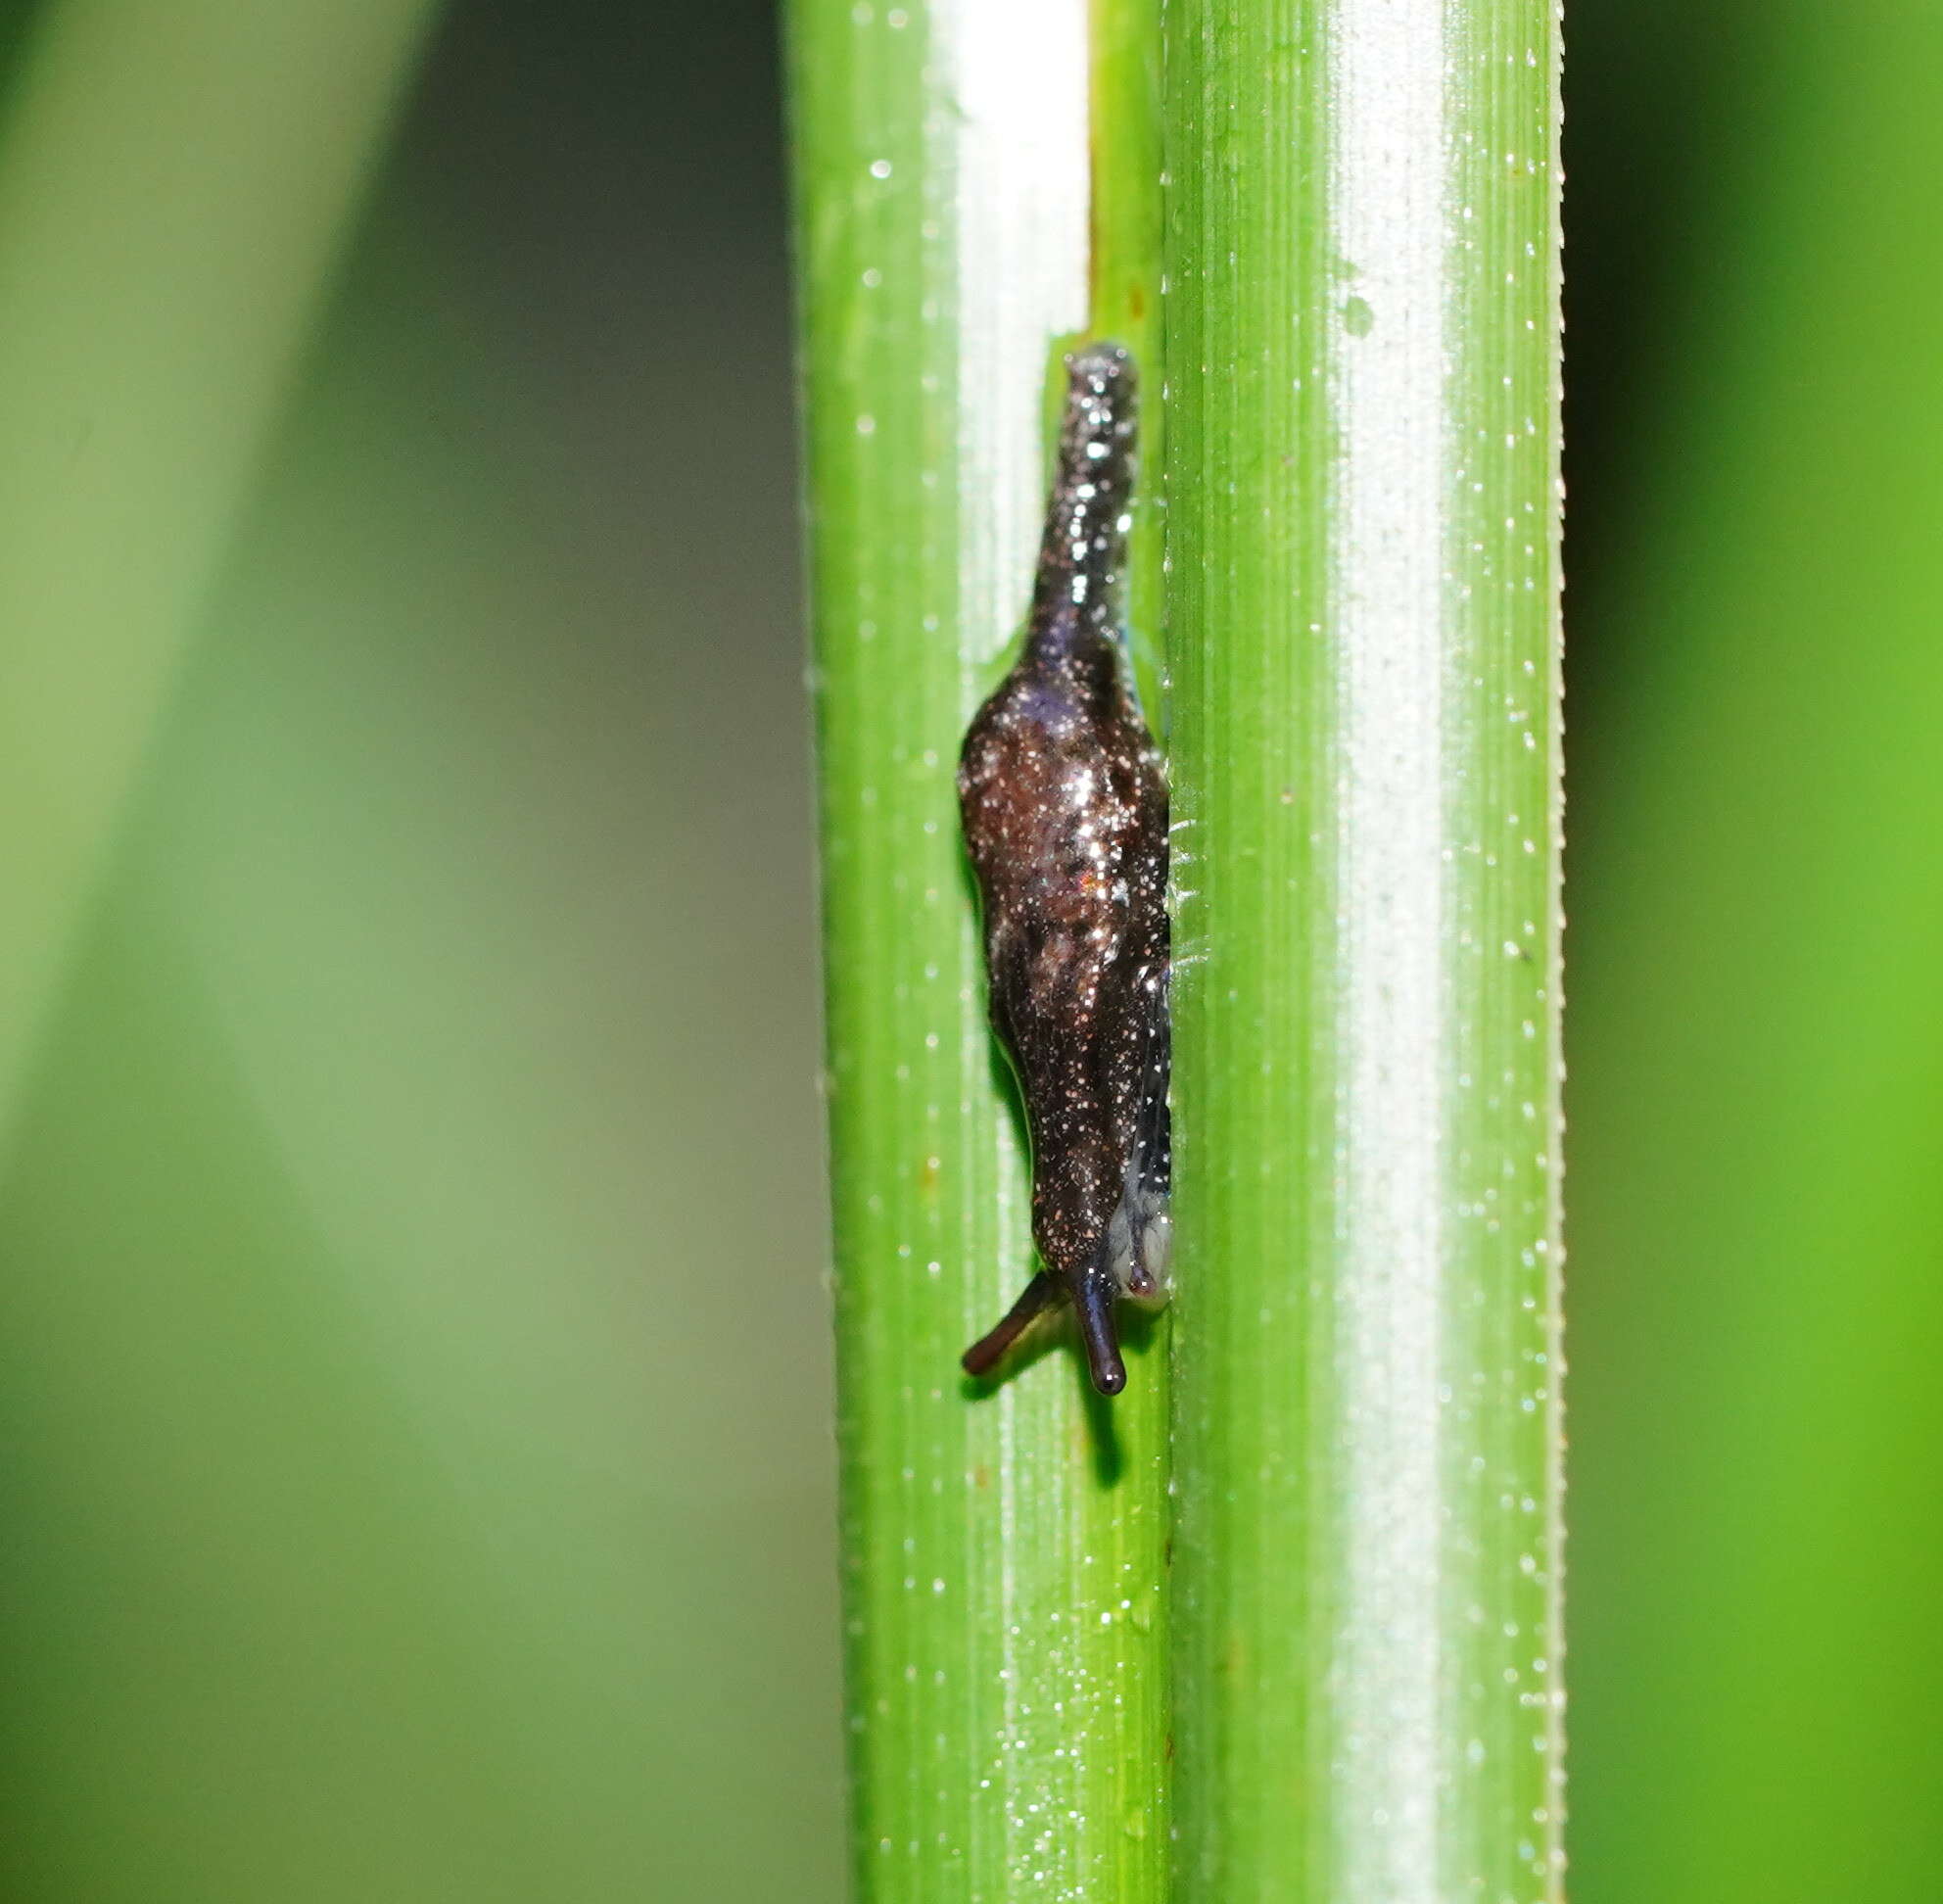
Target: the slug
(1065, 808)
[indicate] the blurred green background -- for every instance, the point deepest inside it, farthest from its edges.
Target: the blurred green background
(414, 1379)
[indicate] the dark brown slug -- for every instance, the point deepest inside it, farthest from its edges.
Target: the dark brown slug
(1065, 806)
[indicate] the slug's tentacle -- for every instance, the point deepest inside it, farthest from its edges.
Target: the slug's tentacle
(1065, 807)
(984, 1355)
(1092, 1300)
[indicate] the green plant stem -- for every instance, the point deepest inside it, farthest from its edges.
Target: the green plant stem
(1362, 341)
(1002, 1546)
(1125, 288)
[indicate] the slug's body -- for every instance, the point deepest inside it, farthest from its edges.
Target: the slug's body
(1065, 808)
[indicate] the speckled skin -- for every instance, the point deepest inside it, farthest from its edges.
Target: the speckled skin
(1065, 805)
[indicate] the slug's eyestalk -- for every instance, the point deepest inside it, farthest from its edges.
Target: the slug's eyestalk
(1065, 807)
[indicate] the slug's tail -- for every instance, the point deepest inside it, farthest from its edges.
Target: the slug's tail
(1076, 595)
